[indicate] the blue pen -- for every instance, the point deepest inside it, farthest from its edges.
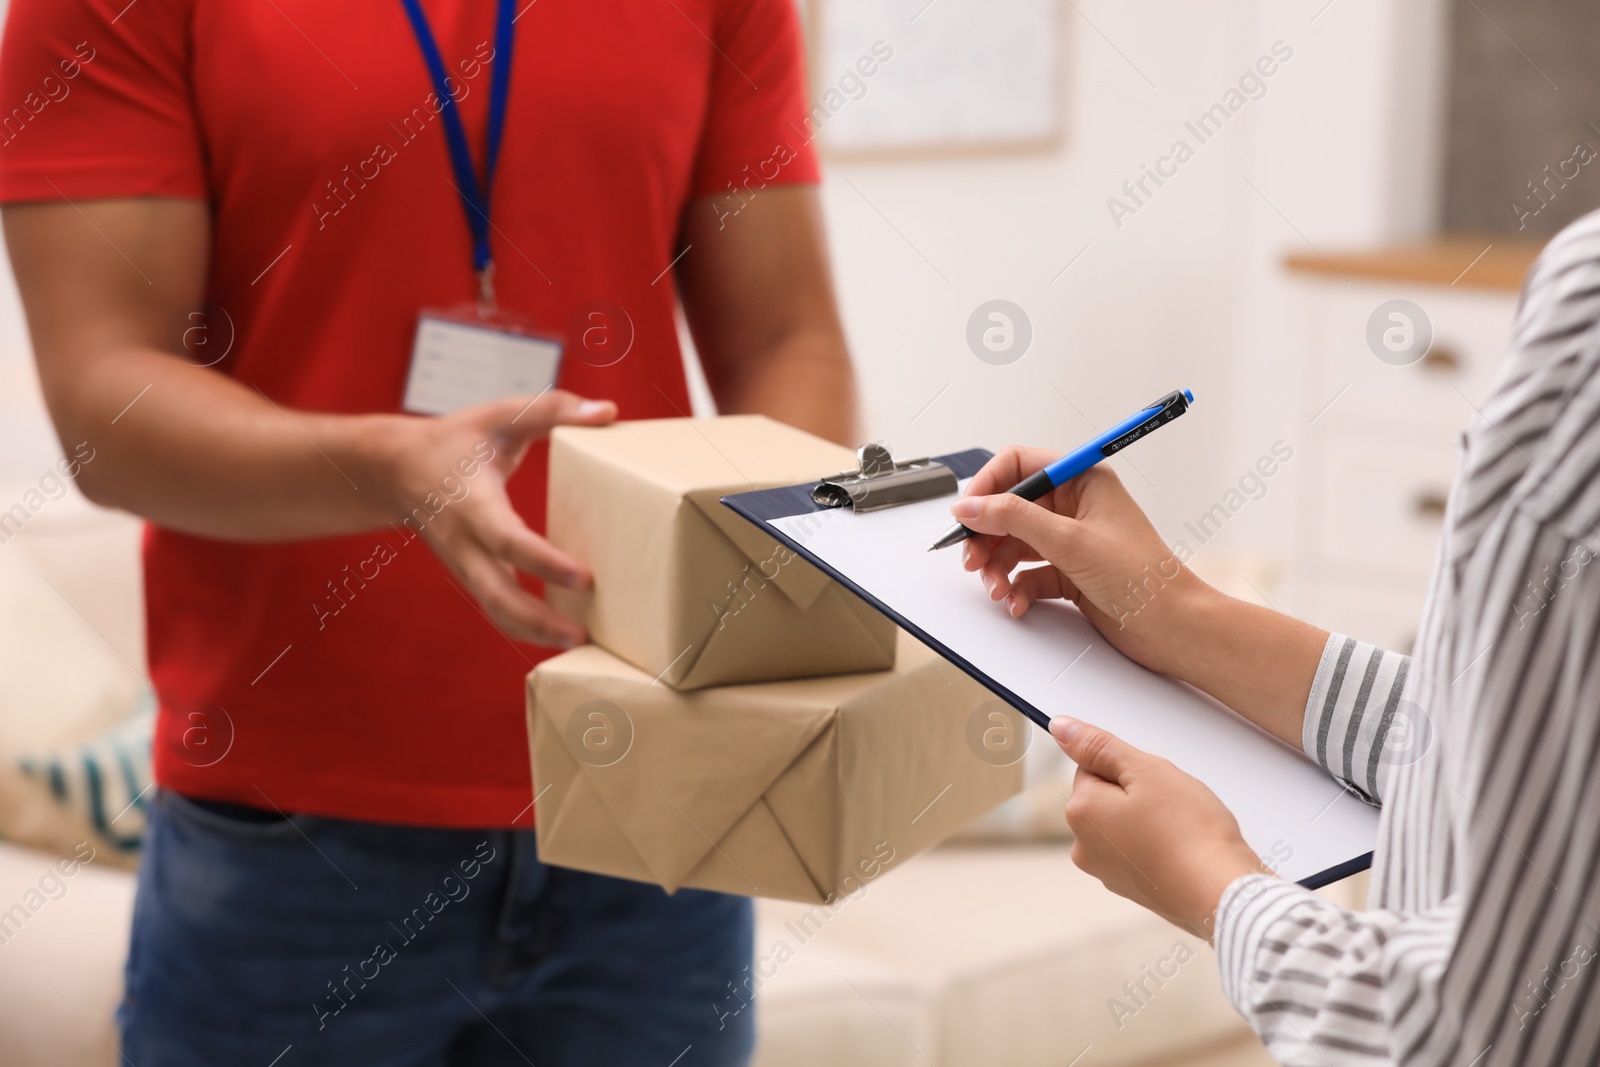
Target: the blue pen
(1075, 463)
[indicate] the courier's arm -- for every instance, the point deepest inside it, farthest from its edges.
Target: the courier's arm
(108, 287)
(107, 293)
(759, 300)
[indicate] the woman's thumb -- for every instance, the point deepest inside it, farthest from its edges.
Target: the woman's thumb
(1096, 751)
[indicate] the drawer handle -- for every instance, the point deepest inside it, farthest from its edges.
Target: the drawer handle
(1441, 359)
(1430, 504)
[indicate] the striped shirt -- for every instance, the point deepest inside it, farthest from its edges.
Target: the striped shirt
(1480, 944)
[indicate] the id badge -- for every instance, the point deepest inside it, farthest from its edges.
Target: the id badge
(465, 357)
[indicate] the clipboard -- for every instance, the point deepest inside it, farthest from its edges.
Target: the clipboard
(869, 530)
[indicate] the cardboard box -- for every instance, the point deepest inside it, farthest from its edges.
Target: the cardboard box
(802, 790)
(685, 589)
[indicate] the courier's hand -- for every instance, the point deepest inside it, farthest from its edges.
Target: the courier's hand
(449, 474)
(1100, 550)
(1148, 831)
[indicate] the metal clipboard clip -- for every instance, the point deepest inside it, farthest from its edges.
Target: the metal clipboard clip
(879, 482)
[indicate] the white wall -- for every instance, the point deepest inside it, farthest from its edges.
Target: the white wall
(1148, 308)
(1186, 293)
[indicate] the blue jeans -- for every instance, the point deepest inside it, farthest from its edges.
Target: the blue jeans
(325, 941)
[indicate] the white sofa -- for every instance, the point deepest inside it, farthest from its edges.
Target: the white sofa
(970, 955)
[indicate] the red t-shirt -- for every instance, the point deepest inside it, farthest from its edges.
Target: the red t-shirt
(307, 125)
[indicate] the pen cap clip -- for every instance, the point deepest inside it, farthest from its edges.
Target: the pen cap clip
(1166, 409)
(879, 482)
(1177, 402)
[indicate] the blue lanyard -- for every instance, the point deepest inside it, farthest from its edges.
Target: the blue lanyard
(474, 197)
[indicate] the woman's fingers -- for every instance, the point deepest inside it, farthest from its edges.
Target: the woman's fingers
(1006, 556)
(1009, 466)
(1038, 583)
(1004, 514)
(975, 552)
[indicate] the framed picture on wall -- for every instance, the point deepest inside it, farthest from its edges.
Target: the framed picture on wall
(907, 78)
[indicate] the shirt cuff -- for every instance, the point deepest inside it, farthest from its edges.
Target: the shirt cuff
(1250, 907)
(1355, 697)
(1328, 669)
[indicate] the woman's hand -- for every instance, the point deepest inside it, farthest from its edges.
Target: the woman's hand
(1150, 832)
(1103, 554)
(448, 476)
(1101, 551)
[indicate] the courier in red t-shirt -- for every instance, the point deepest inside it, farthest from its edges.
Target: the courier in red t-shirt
(347, 674)
(225, 217)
